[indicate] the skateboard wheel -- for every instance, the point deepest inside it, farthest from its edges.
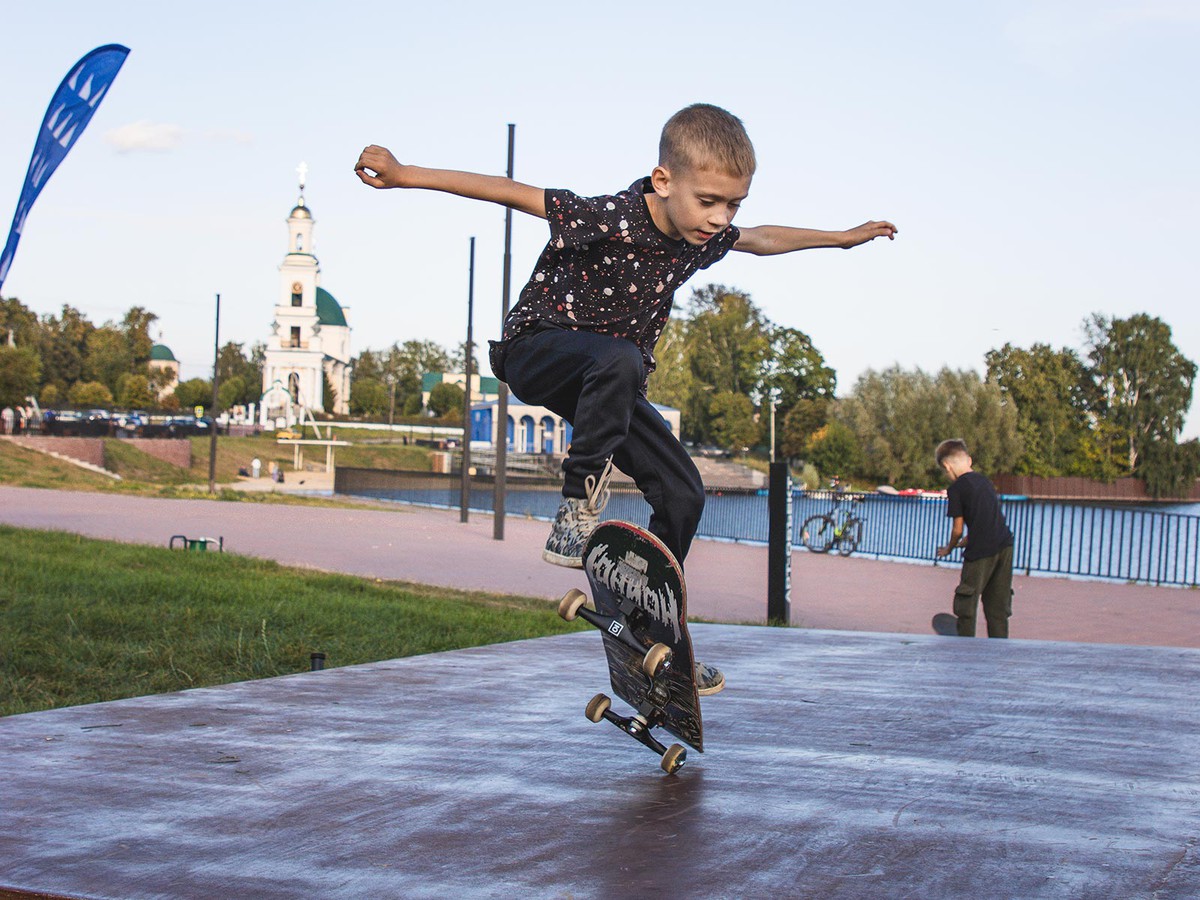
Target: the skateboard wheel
(572, 601)
(656, 659)
(675, 757)
(597, 707)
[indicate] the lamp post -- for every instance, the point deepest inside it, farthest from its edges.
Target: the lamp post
(391, 380)
(500, 487)
(465, 495)
(212, 441)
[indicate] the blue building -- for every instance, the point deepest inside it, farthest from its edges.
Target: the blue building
(535, 429)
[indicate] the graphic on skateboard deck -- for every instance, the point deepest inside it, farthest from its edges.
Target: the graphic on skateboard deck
(945, 623)
(641, 611)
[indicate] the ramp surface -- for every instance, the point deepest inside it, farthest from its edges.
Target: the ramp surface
(839, 765)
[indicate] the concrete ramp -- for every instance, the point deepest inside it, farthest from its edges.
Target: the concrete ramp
(839, 765)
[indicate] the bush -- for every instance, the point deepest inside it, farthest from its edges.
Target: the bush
(90, 394)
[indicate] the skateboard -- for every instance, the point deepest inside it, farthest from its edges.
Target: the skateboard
(640, 608)
(946, 623)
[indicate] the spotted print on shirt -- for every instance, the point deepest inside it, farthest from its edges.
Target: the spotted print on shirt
(608, 268)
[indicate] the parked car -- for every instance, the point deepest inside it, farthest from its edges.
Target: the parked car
(129, 424)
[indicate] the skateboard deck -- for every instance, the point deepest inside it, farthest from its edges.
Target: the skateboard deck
(945, 623)
(641, 603)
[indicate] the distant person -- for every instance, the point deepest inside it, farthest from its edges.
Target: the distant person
(7, 418)
(988, 557)
(581, 339)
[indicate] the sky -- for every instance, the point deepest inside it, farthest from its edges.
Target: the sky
(1040, 159)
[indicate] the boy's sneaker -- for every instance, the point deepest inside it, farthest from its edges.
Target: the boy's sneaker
(576, 520)
(709, 680)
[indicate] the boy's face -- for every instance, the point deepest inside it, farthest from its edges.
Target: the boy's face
(696, 204)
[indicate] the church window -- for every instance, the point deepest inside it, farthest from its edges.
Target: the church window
(299, 243)
(297, 298)
(295, 336)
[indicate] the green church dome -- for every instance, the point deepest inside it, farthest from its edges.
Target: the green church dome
(329, 311)
(162, 352)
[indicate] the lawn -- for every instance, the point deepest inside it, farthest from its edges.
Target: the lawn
(83, 620)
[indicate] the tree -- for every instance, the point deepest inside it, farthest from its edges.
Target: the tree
(833, 450)
(50, 396)
(796, 370)
(801, 422)
(1170, 469)
(232, 392)
(194, 392)
(63, 341)
(732, 421)
(234, 368)
(136, 327)
(20, 370)
(899, 417)
(329, 395)
(369, 397)
(134, 392)
(672, 382)
(108, 357)
(90, 395)
(1141, 383)
(1049, 389)
(18, 323)
(446, 398)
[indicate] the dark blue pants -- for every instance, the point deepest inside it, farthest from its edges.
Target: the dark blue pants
(594, 382)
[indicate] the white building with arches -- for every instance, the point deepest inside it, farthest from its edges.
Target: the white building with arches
(535, 429)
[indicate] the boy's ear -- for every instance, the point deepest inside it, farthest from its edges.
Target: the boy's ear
(660, 180)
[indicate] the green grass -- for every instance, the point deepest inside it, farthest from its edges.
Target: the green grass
(83, 620)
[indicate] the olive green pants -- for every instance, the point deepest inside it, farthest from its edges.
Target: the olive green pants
(990, 579)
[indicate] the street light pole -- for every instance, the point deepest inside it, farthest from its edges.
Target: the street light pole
(501, 483)
(212, 440)
(465, 496)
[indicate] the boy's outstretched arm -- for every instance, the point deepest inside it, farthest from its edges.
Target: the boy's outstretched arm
(766, 240)
(378, 168)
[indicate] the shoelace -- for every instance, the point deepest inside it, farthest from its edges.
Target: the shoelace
(597, 489)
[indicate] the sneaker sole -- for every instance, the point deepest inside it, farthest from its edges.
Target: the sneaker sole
(557, 559)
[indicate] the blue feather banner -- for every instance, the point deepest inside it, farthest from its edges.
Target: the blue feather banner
(69, 112)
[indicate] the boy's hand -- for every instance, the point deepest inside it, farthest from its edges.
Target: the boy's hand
(868, 231)
(944, 551)
(386, 168)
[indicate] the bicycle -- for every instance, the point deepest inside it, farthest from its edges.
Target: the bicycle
(822, 532)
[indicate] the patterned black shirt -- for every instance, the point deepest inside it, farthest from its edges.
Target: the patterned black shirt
(608, 268)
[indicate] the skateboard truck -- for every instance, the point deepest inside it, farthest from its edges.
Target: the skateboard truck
(638, 727)
(655, 661)
(573, 606)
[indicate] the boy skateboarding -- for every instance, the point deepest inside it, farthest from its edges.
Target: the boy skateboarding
(581, 339)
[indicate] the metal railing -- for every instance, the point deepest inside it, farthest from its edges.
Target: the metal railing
(1054, 538)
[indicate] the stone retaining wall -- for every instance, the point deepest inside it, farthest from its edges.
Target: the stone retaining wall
(176, 451)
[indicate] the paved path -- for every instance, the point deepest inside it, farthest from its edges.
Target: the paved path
(727, 582)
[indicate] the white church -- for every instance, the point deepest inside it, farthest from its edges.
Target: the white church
(310, 335)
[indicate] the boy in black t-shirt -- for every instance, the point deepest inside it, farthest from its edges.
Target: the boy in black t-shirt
(581, 339)
(988, 558)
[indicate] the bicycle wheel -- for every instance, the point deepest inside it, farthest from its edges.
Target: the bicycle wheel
(817, 533)
(851, 535)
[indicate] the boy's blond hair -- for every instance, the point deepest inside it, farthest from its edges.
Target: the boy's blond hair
(952, 447)
(703, 136)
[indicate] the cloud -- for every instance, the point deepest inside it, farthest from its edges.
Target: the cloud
(143, 135)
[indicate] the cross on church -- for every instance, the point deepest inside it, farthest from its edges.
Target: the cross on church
(302, 171)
